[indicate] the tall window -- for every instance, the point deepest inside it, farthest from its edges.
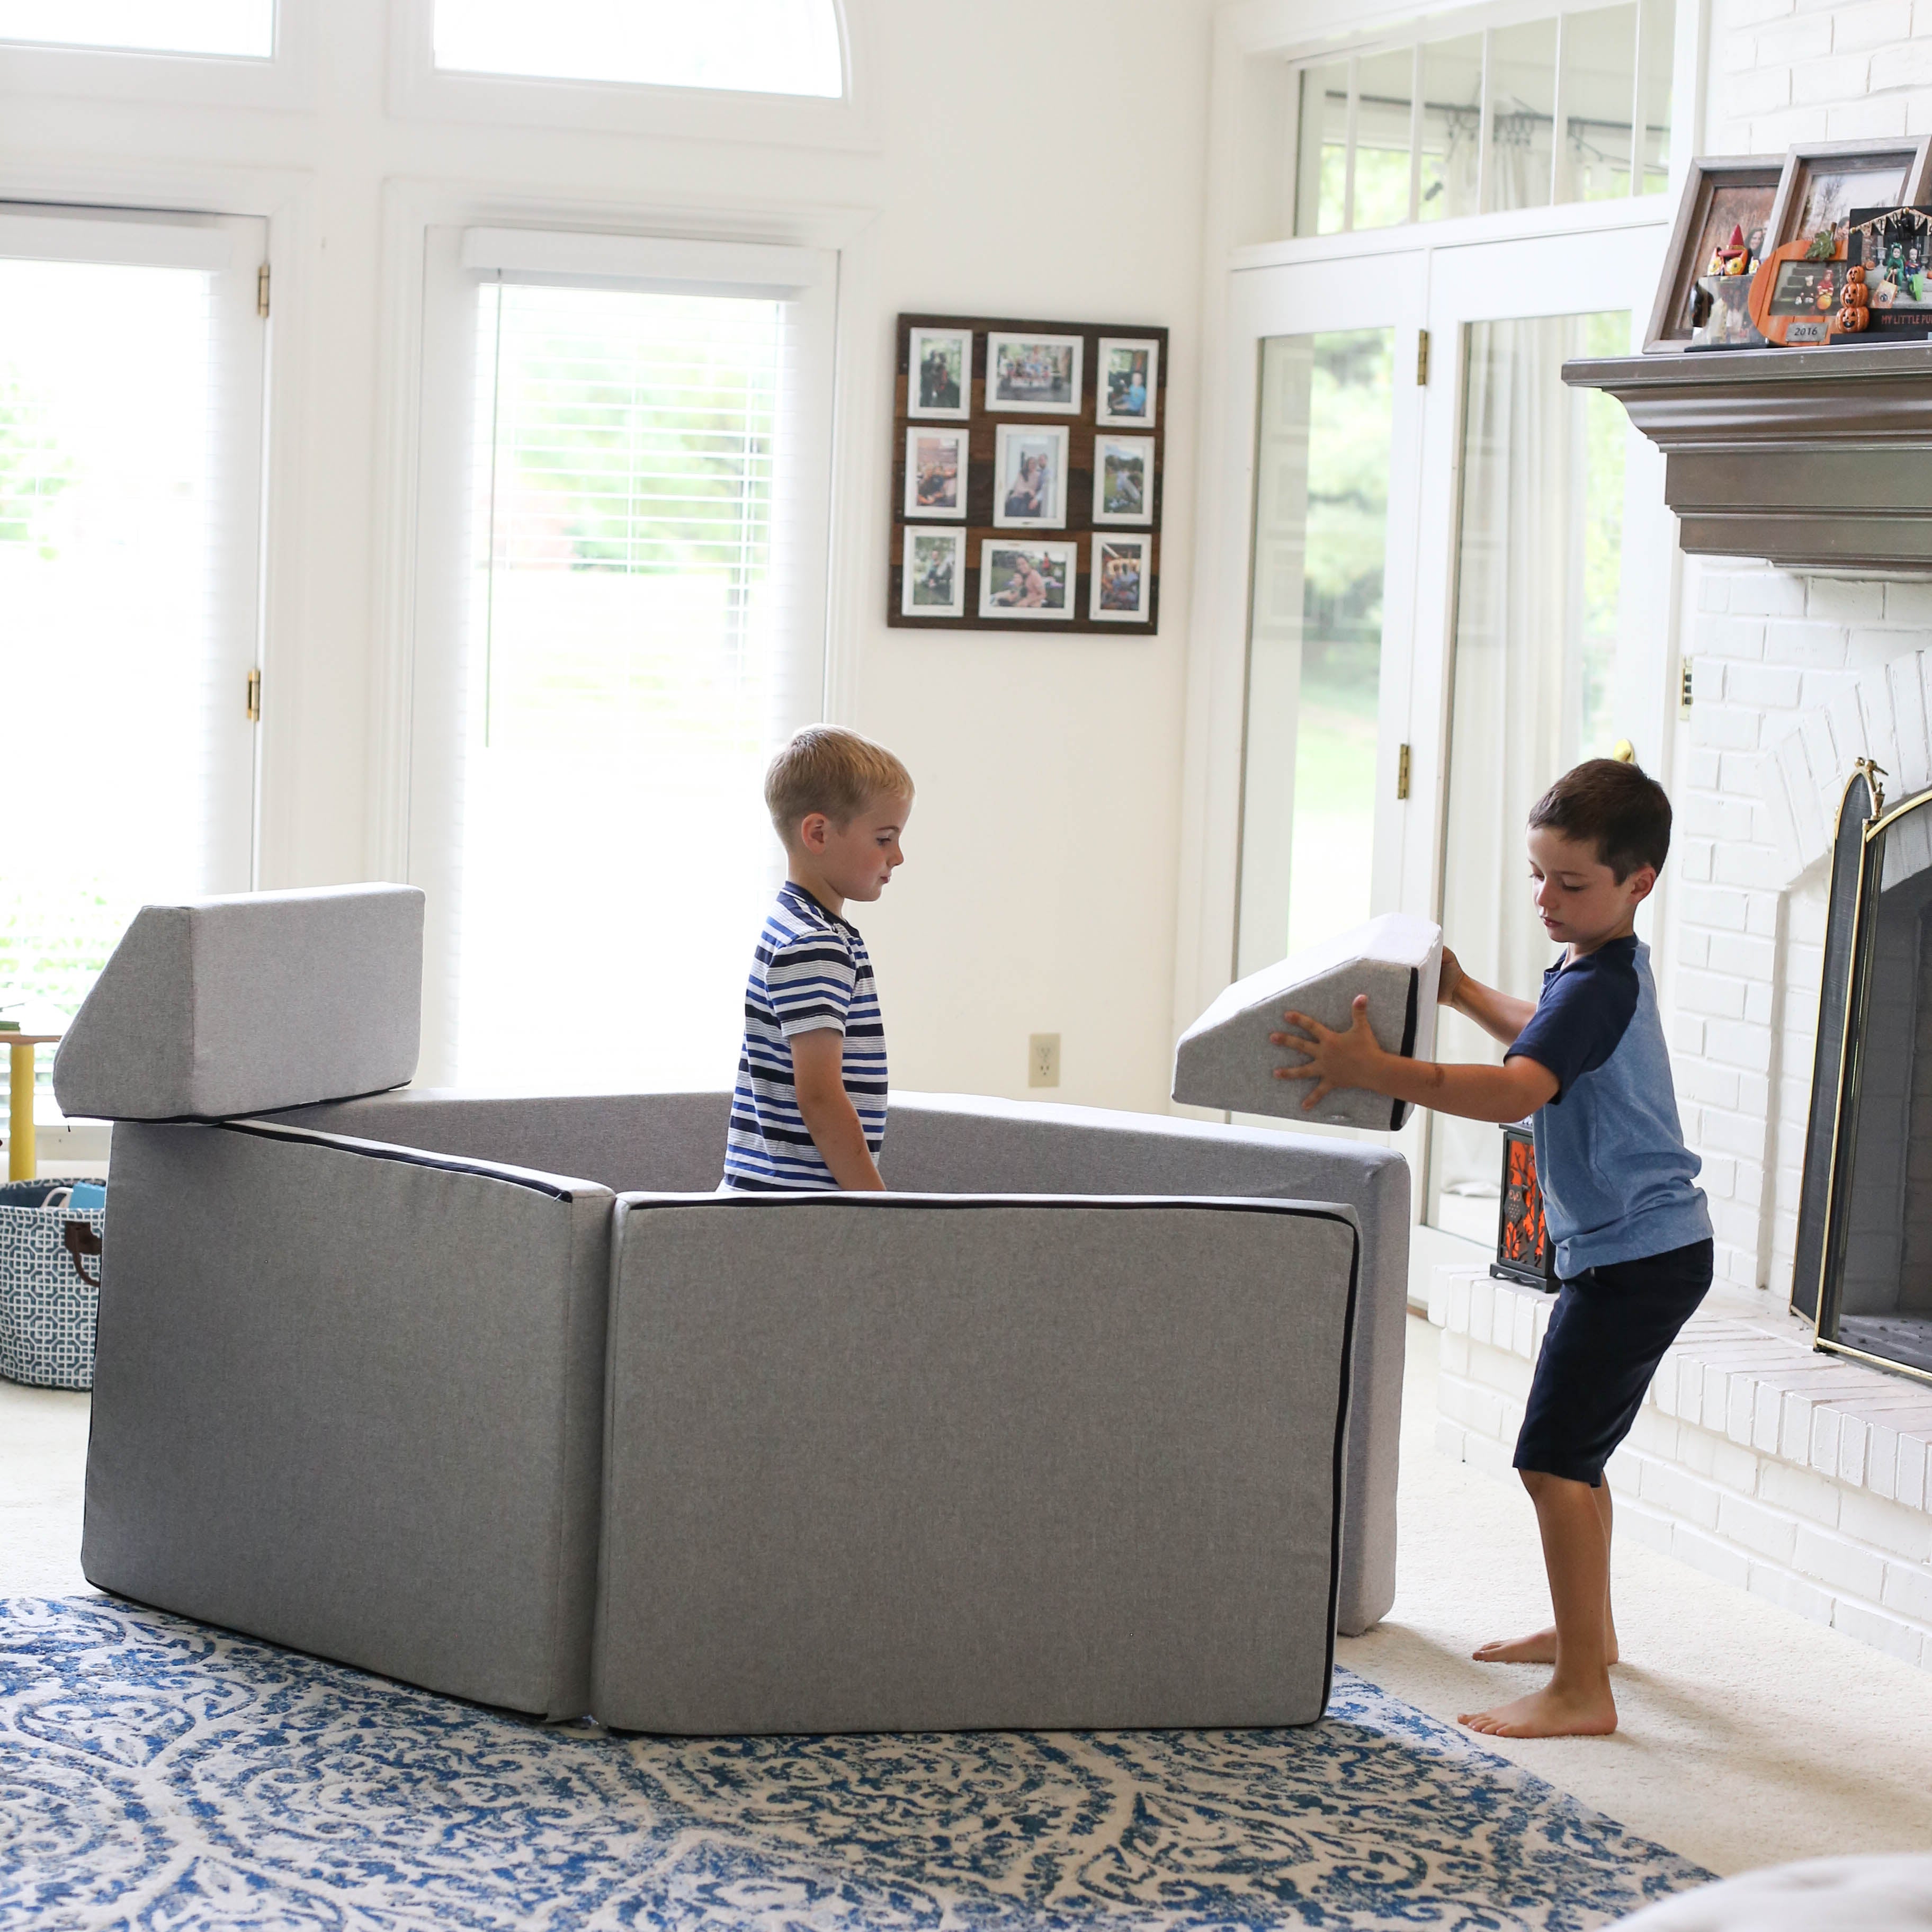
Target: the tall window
(1574, 107)
(1314, 639)
(643, 626)
(753, 46)
(129, 435)
(243, 28)
(1535, 684)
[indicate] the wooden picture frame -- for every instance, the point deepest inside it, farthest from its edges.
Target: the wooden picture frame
(1808, 326)
(1864, 168)
(955, 601)
(1721, 191)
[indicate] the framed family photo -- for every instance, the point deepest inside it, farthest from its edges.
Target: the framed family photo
(1127, 383)
(1019, 577)
(1030, 476)
(1039, 373)
(1123, 479)
(1122, 569)
(1027, 465)
(1824, 180)
(933, 577)
(939, 373)
(1722, 198)
(936, 467)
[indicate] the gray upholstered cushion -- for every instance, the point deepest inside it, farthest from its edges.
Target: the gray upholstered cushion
(350, 1400)
(222, 1006)
(1224, 1059)
(897, 1462)
(1853, 1894)
(967, 1144)
(957, 1143)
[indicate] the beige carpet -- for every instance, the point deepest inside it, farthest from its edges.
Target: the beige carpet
(1750, 1737)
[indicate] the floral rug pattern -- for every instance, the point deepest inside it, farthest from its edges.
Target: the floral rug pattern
(156, 1773)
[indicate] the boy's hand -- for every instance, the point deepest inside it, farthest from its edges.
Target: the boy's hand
(1451, 983)
(1333, 1059)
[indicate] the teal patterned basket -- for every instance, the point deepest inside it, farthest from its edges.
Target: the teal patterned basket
(49, 1285)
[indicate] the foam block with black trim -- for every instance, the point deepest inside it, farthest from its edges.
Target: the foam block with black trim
(1225, 1060)
(212, 1008)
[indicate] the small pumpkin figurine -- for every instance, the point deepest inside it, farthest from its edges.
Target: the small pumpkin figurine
(1851, 318)
(1857, 294)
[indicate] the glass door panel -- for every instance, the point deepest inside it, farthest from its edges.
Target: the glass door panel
(131, 361)
(1315, 638)
(1534, 682)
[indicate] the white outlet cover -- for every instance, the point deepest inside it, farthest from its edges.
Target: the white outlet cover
(1225, 1059)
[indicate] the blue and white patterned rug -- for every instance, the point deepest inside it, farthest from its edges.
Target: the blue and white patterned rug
(156, 1774)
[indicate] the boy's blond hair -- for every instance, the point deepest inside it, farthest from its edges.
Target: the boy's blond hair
(838, 772)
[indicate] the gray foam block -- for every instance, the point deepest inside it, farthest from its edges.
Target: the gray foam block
(1225, 1060)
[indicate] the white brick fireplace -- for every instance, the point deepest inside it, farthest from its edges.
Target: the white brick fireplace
(1794, 677)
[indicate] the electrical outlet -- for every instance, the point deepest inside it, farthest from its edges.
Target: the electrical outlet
(1043, 1059)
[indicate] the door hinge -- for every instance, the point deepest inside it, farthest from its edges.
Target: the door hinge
(255, 696)
(1402, 773)
(1422, 358)
(262, 290)
(1683, 689)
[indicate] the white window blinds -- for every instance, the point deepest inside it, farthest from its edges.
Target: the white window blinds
(643, 625)
(130, 432)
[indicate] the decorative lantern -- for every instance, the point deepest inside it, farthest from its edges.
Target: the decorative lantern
(1525, 1252)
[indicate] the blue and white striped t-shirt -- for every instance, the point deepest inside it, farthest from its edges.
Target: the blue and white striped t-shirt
(811, 974)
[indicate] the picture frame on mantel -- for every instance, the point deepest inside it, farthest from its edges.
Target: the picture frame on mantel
(1824, 180)
(1036, 515)
(1722, 193)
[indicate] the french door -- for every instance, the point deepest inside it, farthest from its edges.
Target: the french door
(1329, 361)
(1460, 582)
(1547, 572)
(132, 358)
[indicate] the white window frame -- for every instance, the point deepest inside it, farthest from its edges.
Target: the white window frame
(231, 247)
(419, 89)
(428, 718)
(1295, 30)
(285, 80)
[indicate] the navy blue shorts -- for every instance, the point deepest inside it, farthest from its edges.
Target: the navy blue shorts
(1607, 1333)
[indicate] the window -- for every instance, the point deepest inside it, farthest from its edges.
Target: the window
(752, 47)
(1468, 122)
(1535, 683)
(1314, 639)
(640, 626)
(131, 397)
(239, 28)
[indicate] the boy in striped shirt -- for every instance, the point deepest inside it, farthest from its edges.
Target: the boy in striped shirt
(809, 1110)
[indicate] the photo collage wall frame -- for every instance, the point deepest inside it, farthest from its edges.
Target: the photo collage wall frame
(1028, 463)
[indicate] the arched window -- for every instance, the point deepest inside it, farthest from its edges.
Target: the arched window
(749, 47)
(239, 28)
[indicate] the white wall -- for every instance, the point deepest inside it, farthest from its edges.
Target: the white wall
(1770, 649)
(1031, 160)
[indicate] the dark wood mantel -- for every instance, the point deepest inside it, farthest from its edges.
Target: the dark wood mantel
(1811, 458)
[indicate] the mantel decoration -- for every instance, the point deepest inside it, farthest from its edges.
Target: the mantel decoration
(1027, 465)
(1741, 271)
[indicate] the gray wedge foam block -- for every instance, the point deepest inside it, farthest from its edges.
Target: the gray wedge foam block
(1224, 1059)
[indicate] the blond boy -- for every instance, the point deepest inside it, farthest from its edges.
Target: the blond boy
(809, 1110)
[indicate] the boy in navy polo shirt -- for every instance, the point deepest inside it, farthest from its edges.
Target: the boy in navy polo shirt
(1587, 1062)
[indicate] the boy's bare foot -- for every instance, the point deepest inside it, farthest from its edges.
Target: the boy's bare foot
(1539, 1647)
(1548, 1714)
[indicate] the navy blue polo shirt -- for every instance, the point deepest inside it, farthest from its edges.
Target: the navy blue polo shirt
(1618, 1183)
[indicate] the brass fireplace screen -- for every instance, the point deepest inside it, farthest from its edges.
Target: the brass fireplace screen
(1864, 1271)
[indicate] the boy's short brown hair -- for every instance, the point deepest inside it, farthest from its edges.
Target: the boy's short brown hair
(1619, 808)
(827, 769)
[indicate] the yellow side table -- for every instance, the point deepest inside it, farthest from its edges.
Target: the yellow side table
(20, 1158)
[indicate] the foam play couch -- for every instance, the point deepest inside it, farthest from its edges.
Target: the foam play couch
(1092, 1421)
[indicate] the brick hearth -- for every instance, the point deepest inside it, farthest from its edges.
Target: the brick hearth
(1799, 1476)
